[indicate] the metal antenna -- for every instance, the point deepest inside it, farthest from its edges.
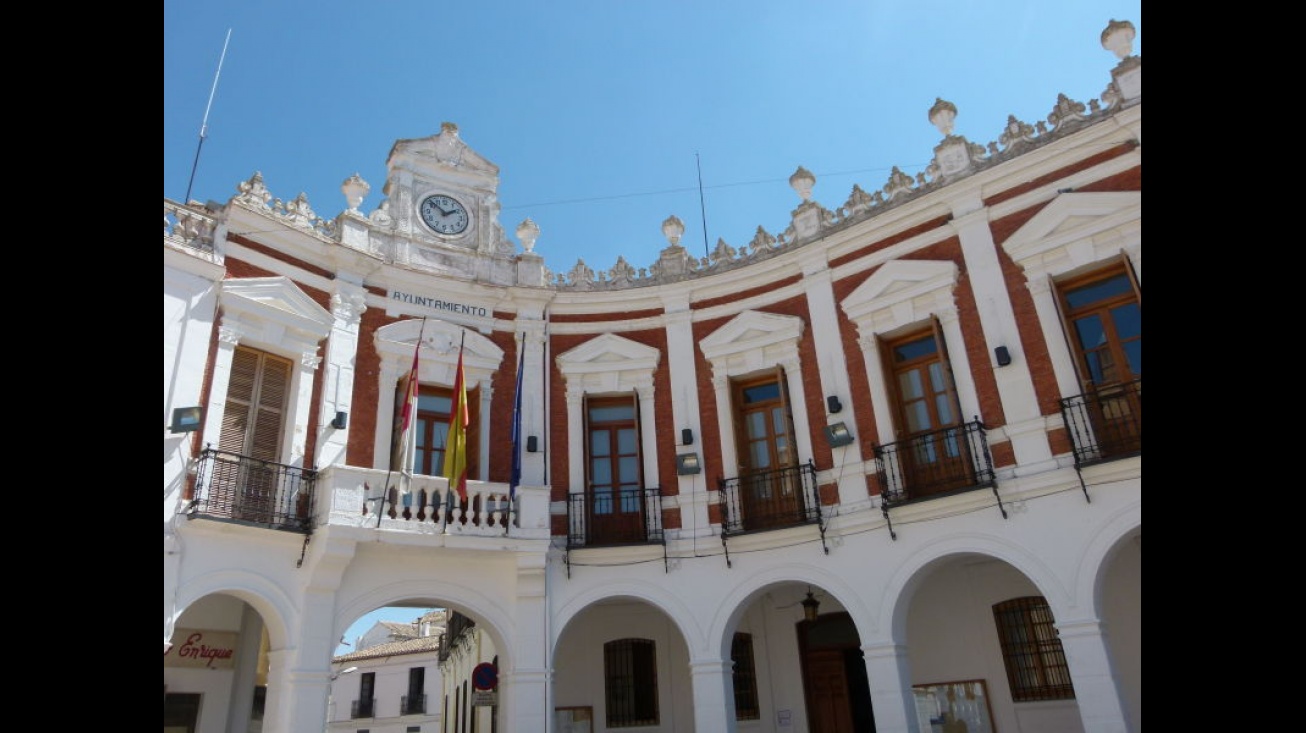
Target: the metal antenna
(702, 208)
(204, 126)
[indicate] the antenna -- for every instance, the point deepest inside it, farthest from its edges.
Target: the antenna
(702, 208)
(204, 126)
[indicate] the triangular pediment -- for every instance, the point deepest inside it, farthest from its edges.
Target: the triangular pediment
(443, 152)
(275, 299)
(751, 330)
(1071, 218)
(607, 352)
(900, 281)
(441, 341)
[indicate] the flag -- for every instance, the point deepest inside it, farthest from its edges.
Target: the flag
(455, 446)
(407, 411)
(515, 477)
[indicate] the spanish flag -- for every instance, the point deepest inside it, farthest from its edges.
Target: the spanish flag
(455, 447)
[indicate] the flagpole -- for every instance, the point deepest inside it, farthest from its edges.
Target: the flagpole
(407, 417)
(456, 414)
(204, 126)
(514, 476)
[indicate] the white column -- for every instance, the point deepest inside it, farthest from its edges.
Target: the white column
(681, 361)
(832, 369)
(526, 705)
(1025, 425)
(347, 306)
(1101, 707)
(888, 670)
(714, 694)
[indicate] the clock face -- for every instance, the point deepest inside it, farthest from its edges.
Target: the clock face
(444, 215)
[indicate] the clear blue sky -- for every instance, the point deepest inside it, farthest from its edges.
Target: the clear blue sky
(600, 114)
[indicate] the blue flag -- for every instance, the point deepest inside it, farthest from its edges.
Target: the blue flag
(515, 479)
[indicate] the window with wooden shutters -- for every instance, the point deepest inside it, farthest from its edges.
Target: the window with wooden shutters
(252, 418)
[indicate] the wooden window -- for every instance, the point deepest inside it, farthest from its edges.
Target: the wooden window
(929, 427)
(745, 677)
(630, 682)
(1104, 318)
(613, 470)
(1031, 649)
(769, 495)
(431, 430)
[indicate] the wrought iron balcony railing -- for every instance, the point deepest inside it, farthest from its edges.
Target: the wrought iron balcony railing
(1105, 423)
(627, 517)
(232, 486)
(457, 629)
(774, 499)
(365, 708)
(936, 463)
(412, 705)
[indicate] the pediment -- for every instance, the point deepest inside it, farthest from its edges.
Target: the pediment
(608, 352)
(440, 344)
(443, 151)
(1072, 218)
(899, 282)
(275, 299)
(751, 330)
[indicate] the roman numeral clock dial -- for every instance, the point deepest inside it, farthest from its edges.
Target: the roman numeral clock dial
(444, 214)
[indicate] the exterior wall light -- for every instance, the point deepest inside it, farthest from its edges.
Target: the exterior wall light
(687, 464)
(838, 435)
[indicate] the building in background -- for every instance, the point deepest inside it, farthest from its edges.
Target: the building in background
(881, 470)
(391, 682)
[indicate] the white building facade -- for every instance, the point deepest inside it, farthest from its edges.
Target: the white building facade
(880, 471)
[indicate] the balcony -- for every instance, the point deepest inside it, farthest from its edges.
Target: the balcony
(365, 708)
(1105, 423)
(457, 631)
(228, 486)
(604, 519)
(937, 463)
(412, 705)
(765, 500)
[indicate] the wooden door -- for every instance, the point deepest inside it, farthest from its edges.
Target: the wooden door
(932, 447)
(770, 495)
(614, 502)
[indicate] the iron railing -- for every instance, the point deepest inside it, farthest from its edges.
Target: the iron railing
(631, 517)
(412, 705)
(774, 499)
(235, 487)
(1105, 423)
(457, 628)
(936, 463)
(365, 708)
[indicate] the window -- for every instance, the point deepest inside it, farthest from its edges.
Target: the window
(364, 706)
(745, 677)
(431, 429)
(252, 426)
(770, 495)
(1104, 317)
(929, 428)
(414, 703)
(613, 473)
(631, 683)
(1036, 664)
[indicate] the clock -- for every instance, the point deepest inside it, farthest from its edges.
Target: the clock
(444, 214)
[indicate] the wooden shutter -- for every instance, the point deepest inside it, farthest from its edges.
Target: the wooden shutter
(256, 403)
(946, 362)
(787, 409)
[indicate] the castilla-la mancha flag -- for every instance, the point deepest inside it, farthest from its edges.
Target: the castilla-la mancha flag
(455, 447)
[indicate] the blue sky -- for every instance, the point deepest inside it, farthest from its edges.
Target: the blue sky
(601, 114)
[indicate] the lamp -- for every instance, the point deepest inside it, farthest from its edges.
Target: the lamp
(1002, 355)
(686, 436)
(185, 419)
(687, 464)
(810, 605)
(341, 420)
(838, 435)
(351, 670)
(833, 404)
(531, 445)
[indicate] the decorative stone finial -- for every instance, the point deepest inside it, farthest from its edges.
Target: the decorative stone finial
(802, 181)
(448, 128)
(528, 231)
(1118, 38)
(355, 190)
(942, 115)
(672, 229)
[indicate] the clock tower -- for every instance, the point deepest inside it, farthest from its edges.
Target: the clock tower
(444, 200)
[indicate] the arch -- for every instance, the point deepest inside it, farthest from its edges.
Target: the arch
(657, 596)
(266, 597)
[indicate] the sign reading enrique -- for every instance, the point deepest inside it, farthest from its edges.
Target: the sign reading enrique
(197, 648)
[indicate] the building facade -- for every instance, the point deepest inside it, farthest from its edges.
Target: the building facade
(880, 471)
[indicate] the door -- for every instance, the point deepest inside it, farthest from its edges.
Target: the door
(614, 505)
(1105, 317)
(932, 447)
(835, 685)
(769, 485)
